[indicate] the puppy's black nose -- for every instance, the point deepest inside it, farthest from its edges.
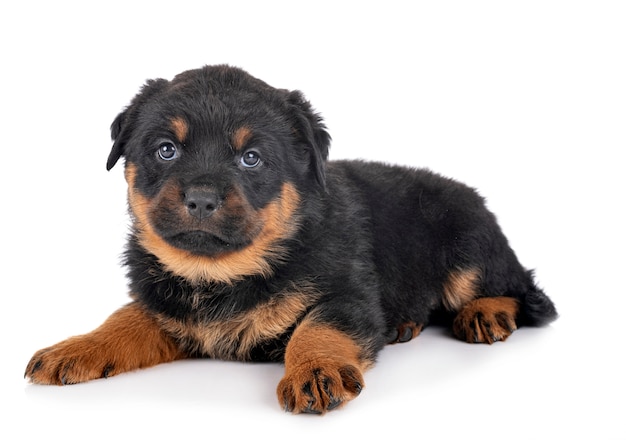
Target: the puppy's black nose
(201, 202)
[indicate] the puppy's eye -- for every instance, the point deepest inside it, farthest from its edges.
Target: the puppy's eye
(250, 159)
(167, 151)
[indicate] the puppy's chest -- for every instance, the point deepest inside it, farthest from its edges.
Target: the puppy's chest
(236, 336)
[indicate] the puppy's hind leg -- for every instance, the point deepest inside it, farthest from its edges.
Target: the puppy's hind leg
(488, 319)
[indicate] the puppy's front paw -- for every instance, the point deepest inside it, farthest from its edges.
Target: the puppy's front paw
(75, 360)
(129, 339)
(315, 388)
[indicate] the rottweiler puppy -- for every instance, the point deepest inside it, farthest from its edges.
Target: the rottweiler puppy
(247, 244)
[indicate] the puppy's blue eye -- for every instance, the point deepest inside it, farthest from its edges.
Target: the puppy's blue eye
(167, 151)
(250, 159)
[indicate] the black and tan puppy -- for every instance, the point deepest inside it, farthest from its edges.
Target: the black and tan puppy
(247, 245)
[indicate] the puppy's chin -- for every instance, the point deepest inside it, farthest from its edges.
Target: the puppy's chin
(204, 243)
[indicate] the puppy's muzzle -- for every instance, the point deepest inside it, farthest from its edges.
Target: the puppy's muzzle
(201, 202)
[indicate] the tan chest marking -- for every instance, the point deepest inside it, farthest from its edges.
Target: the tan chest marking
(233, 338)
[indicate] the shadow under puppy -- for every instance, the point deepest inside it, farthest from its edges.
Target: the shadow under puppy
(248, 245)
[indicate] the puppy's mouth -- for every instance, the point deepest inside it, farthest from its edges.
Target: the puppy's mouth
(228, 226)
(205, 243)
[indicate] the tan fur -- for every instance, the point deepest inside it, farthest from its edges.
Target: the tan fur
(129, 339)
(460, 288)
(487, 320)
(233, 338)
(240, 137)
(278, 219)
(322, 365)
(415, 331)
(180, 128)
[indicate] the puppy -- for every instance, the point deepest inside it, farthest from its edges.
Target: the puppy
(248, 245)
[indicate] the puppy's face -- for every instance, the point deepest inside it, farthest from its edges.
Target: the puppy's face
(217, 163)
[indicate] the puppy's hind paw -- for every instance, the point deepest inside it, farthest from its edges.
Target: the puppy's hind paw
(486, 320)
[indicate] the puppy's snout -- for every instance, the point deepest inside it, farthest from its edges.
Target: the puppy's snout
(201, 202)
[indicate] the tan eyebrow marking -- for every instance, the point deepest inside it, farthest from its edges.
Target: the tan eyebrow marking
(180, 128)
(240, 137)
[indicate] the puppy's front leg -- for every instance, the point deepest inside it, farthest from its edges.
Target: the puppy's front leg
(323, 369)
(129, 339)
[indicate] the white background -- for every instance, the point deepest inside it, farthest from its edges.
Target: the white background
(524, 100)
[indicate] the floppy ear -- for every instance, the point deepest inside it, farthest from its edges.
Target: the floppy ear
(118, 147)
(122, 126)
(312, 132)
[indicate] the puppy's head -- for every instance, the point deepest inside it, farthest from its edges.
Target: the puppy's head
(217, 163)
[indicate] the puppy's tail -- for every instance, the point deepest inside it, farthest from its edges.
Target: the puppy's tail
(537, 309)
